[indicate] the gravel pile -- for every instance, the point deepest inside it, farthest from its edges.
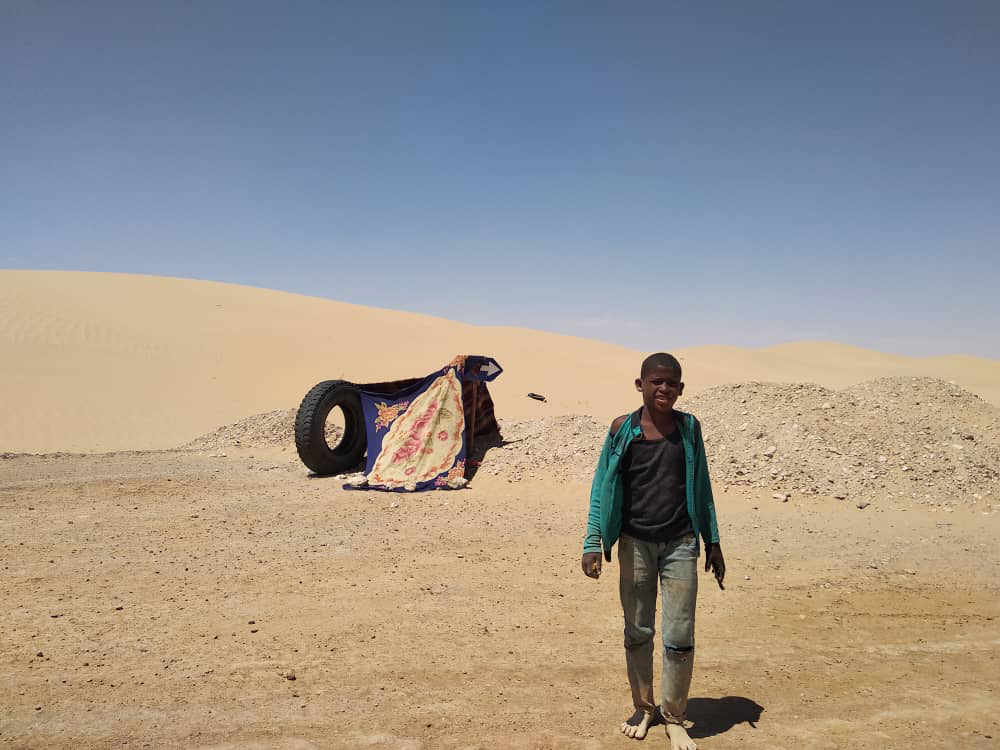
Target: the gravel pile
(270, 428)
(919, 438)
(564, 447)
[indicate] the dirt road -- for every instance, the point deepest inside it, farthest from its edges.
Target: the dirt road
(186, 600)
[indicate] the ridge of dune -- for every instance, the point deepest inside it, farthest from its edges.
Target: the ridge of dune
(103, 361)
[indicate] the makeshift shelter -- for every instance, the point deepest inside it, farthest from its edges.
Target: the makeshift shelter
(418, 432)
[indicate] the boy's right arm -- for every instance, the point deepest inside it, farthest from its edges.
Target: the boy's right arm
(617, 424)
(592, 548)
(590, 562)
(592, 542)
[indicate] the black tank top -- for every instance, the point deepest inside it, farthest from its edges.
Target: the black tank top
(655, 503)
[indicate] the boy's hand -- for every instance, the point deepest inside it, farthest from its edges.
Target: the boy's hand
(715, 562)
(591, 564)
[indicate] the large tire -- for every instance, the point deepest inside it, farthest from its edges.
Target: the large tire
(310, 428)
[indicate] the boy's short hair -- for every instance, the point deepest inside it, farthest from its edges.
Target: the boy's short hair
(660, 359)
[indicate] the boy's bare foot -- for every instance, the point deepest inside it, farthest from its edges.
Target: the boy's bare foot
(637, 726)
(679, 739)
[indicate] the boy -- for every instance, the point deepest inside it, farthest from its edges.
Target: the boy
(651, 494)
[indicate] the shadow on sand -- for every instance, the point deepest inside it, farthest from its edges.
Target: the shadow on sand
(480, 447)
(712, 716)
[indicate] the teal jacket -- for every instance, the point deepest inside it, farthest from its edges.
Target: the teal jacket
(604, 521)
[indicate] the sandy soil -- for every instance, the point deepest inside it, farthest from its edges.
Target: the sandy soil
(166, 600)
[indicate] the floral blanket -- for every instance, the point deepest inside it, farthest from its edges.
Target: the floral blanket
(416, 437)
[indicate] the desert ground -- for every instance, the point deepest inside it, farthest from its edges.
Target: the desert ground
(175, 578)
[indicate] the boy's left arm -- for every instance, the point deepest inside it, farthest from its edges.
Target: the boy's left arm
(714, 559)
(715, 562)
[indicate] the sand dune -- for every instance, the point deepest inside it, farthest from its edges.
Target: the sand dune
(99, 362)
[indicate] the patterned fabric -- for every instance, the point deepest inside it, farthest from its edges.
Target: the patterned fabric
(388, 413)
(416, 437)
(472, 391)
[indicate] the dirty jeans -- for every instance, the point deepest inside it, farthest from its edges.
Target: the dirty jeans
(674, 566)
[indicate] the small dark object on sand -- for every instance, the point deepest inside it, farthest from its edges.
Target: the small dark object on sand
(536, 396)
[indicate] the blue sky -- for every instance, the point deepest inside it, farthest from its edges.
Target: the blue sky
(656, 174)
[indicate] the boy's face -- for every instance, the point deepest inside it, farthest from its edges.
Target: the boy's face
(660, 388)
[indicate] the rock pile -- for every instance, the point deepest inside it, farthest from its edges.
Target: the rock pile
(270, 428)
(564, 447)
(918, 438)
